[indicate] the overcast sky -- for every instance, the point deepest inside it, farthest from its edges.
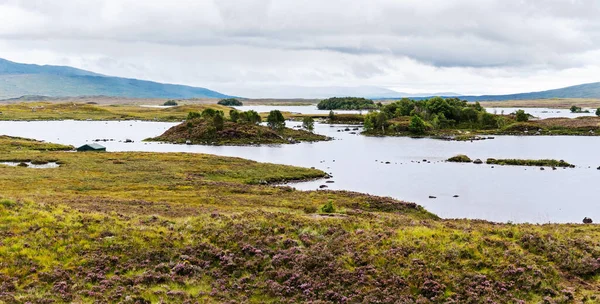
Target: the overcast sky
(246, 47)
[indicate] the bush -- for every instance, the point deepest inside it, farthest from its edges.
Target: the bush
(328, 208)
(521, 116)
(170, 103)
(275, 120)
(308, 123)
(193, 115)
(230, 102)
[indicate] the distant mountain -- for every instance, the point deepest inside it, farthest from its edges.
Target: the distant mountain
(17, 79)
(589, 90)
(316, 92)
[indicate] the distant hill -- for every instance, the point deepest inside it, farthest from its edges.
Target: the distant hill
(17, 79)
(588, 90)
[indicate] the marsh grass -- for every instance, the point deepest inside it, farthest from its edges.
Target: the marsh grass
(176, 227)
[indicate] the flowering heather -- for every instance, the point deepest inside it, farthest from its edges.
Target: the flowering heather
(186, 228)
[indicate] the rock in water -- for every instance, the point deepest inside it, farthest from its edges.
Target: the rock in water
(431, 196)
(587, 220)
(478, 161)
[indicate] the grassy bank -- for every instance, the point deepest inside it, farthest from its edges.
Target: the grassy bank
(84, 111)
(151, 227)
(530, 162)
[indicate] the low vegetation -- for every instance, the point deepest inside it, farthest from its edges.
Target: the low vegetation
(346, 103)
(170, 103)
(180, 227)
(18, 144)
(530, 162)
(85, 111)
(576, 109)
(230, 102)
(461, 158)
(243, 128)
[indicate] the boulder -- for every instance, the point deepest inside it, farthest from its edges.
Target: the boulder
(587, 220)
(478, 161)
(323, 187)
(431, 196)
(455, 195)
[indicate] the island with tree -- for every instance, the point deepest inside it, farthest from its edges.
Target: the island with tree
(211, 127)
(230, 102)
(455, 118)
(346, 103)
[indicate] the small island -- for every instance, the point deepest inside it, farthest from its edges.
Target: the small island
(230, 102)
(241, 128)
(461, 158)
(452, 118)
(346, 103)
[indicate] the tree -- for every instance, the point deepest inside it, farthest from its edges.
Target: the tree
(219, 121)
(170, 103)
(251, 117)
(308, 123)
(575, 109)
(598, 112)
(234, 115)
(416, 126)
(193, 115)
(209, 113)
(331, 116)
(275, 120)
(521, 116)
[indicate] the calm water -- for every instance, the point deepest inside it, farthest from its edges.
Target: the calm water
(543, 112)
(516, 194)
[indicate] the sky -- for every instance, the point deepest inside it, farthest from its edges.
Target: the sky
(260, 48)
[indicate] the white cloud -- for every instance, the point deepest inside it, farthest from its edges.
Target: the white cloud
(466, 46)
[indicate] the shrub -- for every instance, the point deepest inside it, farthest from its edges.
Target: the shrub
(308, 123)
(521, 116)
(193, 115)
(328, 207)
(170, 103)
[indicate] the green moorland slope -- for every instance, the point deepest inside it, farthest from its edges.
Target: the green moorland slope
(175, 227)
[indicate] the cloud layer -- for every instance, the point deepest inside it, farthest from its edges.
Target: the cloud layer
(471, 46)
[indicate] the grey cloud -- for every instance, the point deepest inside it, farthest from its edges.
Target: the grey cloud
(470, 33)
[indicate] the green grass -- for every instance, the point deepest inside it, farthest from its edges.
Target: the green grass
(83, 111)
(176, 227)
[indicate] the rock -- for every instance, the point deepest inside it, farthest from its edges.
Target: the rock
(553, 168)
(329, 182)
(347, 129)
(587, 220)
(455, 195)
(542, 169)
(323, 187)
(478, 161)
(598, 168)
(387, 163)
(128, 140)
(432, 197)
(188, 142)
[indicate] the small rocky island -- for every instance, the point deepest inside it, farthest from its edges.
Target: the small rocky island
(211, 127)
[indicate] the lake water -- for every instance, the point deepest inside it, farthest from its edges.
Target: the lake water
(517, 194)
(543, 112)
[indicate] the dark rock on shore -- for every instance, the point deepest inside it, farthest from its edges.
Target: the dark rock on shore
(478, 161)
(587, 220)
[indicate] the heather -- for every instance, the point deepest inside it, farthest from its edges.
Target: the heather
(177, 227)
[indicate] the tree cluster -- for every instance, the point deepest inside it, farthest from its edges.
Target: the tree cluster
(346, 103)
(230, 102)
